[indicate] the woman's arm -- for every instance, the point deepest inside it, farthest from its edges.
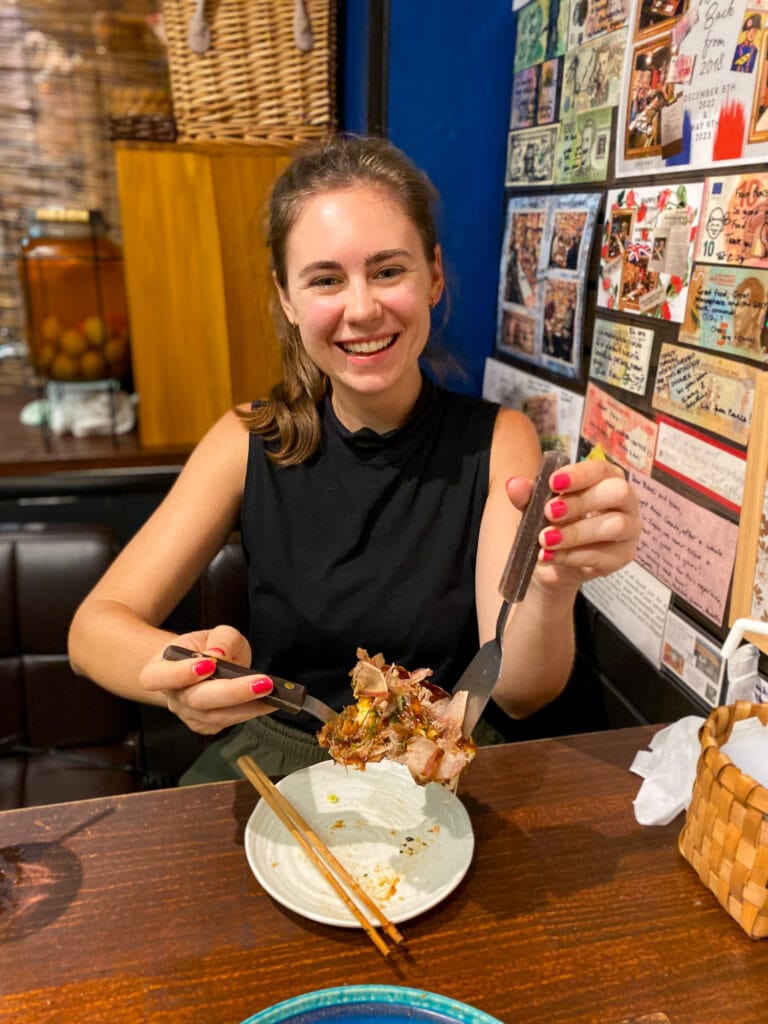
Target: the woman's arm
(115, 632)
(593, 526)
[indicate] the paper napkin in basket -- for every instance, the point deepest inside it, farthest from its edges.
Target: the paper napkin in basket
(669, 771)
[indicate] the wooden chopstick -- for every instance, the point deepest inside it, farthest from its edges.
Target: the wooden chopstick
(326, 863)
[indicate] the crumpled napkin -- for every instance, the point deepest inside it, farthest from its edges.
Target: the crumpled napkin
(91, 413)
(669, 771)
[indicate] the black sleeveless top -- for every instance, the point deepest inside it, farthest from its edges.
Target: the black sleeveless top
(370, 543)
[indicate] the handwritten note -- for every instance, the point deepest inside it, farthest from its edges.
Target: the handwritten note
(635, 603)
(601, 16)
(712, 468)
(734, 229)
(727, 309)
(626, 437)
(524, 98)
(621, 354)
(713, 393)
(688, 548)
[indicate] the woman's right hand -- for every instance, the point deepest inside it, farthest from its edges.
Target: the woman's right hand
(207, 705)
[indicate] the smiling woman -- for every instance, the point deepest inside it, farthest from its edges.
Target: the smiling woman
(376, 508)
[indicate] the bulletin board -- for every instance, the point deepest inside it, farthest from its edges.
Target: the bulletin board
(633, 279)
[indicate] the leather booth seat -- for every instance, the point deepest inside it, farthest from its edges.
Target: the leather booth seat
(61, 736)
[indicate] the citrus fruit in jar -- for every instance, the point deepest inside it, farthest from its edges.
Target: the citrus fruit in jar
(95, 331)
(51, 329)
(92, 366)
(116, 353)
(63, 367)
(73, 343)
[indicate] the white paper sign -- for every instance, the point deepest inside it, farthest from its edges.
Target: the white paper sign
(636, 603)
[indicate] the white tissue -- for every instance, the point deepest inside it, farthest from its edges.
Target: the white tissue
(747, 747)
(669, 771)
(92, 413)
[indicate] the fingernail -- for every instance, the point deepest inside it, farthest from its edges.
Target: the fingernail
(204, 667)
(510, 479)
(558, 509)
(221, 653)
(261, 686)
(552, 538)
(547, 556)
(561, 482)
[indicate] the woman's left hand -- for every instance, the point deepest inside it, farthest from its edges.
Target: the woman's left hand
(593, 522)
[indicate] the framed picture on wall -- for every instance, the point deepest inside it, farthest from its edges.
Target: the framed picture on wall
(749, 598)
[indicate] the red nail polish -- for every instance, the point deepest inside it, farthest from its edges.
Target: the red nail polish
(218, 650)
(552, 538)
(261, 686)
(204, 667)
(547, 556)
(558, 509)
(561, 482)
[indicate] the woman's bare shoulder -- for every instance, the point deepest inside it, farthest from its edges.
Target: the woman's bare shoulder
(515, 448)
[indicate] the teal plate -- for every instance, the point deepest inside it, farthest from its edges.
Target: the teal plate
(371, 1004)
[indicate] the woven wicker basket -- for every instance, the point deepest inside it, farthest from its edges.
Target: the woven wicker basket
(725, 836)
(253, 84)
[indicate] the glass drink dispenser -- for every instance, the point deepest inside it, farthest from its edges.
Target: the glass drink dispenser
(74, 291)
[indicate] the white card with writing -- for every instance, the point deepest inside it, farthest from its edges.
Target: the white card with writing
(701, 462)
(636, 603)
(621, 354)
(687, 547)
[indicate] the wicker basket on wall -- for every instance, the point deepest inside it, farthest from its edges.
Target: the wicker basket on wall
(254, 84)
(725, 836)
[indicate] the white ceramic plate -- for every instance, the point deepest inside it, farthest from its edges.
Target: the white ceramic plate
(409, 846)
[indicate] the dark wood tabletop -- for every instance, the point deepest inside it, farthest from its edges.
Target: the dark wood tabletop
(143, 908)
(35, 450)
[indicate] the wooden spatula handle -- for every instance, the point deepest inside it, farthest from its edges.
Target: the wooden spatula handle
(525, 549)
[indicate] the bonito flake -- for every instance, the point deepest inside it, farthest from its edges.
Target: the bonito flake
(400, 716)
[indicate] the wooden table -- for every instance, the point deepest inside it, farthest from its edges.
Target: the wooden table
(571, 912)
(26, 450)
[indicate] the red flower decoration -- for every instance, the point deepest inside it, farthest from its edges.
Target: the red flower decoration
(666, 312)
(641, 213)
(676, 284)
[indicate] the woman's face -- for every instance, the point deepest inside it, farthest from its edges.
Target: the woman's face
(359, 287)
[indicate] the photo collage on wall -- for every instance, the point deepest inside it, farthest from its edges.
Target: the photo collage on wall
(636, 153)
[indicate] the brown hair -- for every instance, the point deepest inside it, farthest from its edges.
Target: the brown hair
(289, 416)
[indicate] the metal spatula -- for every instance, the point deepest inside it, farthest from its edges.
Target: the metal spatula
(288, 696)
(480, 676)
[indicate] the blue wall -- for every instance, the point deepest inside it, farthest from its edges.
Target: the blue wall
(450, 80)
